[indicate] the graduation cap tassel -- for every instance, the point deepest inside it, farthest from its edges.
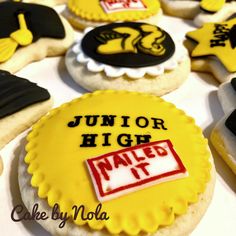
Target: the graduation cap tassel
(22, 37)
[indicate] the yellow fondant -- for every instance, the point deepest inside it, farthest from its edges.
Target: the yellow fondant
(94, 11)
(122, 44)
(128, 39)
(7, 48)
(206, 46)
(57, 161)
(212, 5)
(151, 43)
(221, 149)
(22, 37)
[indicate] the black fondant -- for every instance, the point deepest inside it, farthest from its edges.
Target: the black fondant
(221, 34)
(41, 20)
(230, 122)
(158, 124)
(106, 139)
(125, 120)
(108, 120)
(232, 36)
(233, 84)
(143, 138)
(91, 41)
(17, 93)
(75, 123)
(89, 140)
(142, 122)
(91, 120)
(124, 140)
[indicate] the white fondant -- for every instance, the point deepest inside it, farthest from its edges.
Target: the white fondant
(179, 56)
(227, 97)
(122, 176)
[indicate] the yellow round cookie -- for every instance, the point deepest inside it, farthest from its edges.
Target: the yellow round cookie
(58, 147)
(94, 11)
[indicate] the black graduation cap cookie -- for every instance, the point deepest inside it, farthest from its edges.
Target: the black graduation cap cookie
(19, 98)
(22, 103)
(30, 32)
(128, 56)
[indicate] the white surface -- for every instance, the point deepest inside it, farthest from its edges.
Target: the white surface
(197, 97)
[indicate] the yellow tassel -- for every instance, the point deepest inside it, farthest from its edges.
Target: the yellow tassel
(7, 48)
(22, 37)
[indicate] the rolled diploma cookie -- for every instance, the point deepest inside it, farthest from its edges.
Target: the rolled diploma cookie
(227, 97)
(224, 142)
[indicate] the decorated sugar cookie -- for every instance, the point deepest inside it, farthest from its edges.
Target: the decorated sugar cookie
(202, 11)
(223, 135)
(128, 56)
(109, 152)
(30, 32)
(21, 104)
(216, 51)
(82, 15)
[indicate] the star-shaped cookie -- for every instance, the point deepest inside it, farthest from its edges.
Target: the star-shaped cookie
(213, 49)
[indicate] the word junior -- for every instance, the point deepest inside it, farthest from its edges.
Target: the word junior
(126, 122)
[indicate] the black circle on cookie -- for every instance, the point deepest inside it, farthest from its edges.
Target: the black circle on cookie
(143, 47)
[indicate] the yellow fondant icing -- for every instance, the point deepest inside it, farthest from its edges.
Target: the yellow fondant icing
(122, 44)
(22, 37)
(212, 5)
(95, 12)
(127, 39)
(215, 39)
(56, 159)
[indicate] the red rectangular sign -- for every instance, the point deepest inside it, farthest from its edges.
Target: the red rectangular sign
(130, 169)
